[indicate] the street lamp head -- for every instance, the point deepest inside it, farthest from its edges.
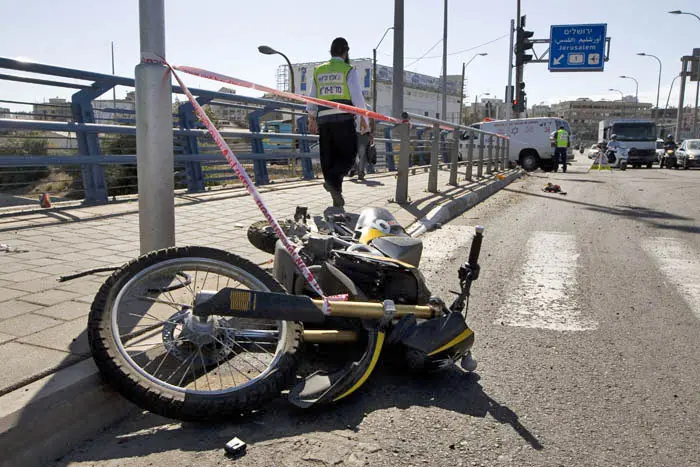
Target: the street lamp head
(642, 54)
(483, 54)
(623, 76)
(676, 12)
(263, 49)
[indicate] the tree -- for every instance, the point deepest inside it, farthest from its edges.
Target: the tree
(30, 144)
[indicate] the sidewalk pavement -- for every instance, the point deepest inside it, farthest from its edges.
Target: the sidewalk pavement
(43, 322)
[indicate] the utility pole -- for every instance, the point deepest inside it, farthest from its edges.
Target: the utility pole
(444, 67)
(681, 97)
(518, 68)
(509, 89)
(397, 78)
(114, 88)
(461, 96)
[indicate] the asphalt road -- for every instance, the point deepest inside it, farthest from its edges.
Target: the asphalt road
(587, 325)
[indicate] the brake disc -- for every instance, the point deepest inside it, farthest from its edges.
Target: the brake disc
(214, 340)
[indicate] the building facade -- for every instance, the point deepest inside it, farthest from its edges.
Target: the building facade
(584, 114)
(422, 93)
(56, 109)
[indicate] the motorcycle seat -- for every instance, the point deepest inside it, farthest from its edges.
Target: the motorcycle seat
(402, 248)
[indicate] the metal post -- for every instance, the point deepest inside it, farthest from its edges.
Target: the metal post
(480, 165)
(404, 156)
(454, 153)
(307, 167)
(434, 154)
(444, 67)
(695, 110)
(470, 155)
(397, 77)
(374, 85)
(154, 134)
(681, 98)
(518, 69)
(389, 151)
(489, 163)
(497, 147)
(461, 95)
(509, 89)
(507, 161)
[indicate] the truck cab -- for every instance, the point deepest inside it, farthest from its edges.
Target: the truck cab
(637, 136)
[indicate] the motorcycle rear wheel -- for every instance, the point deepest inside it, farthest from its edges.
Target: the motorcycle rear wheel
(263, 237)
(150, 347)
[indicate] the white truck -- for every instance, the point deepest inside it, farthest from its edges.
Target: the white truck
(530, 142)
(637, 136)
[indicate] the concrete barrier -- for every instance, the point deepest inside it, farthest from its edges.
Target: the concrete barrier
(457, 206)
(44, 420)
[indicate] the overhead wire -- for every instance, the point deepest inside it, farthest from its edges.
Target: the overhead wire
(423, 57)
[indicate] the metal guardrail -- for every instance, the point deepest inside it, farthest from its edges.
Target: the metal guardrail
(98, 154)
(497, 159)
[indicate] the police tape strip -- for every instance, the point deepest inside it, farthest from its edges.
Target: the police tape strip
(252, 190)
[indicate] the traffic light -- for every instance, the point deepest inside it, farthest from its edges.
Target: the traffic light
(523, 44)
(521, 96)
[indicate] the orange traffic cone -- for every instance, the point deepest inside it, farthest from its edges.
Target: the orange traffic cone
(45, 201)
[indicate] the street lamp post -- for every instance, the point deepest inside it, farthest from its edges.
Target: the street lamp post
(636, 92)
(658, 86)
(374, 73)
(669, 93)
(263, 49)
(464, 67)
(697, 89)
(622, 96)
(679, 12)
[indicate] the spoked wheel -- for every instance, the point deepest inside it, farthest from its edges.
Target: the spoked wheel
(149, 345)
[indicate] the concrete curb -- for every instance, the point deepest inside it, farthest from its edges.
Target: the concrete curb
(455, 207)
(44, 420)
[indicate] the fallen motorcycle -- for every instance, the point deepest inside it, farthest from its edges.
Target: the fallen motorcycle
(196, 333)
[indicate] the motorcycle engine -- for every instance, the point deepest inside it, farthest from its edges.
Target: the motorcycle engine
(382, 278)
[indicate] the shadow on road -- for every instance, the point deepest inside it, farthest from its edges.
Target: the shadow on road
(450, 390)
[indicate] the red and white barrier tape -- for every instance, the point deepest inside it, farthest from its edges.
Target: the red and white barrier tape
(238, 168)
(250, 187)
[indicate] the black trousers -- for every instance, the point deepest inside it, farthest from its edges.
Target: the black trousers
(560, 155)
(338, 147)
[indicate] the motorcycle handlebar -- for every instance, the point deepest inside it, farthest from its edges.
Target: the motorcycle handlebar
(476, 245)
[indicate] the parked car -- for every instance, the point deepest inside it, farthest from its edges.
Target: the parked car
(592, 151)
(688, 154)
(659, 149)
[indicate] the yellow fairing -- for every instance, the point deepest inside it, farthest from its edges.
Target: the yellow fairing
(372, 364)
(370, 234)
(465, 334)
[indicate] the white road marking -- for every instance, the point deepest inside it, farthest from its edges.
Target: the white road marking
(545, 298)
(681, 266)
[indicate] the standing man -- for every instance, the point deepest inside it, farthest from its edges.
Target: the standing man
(561, 141)
(336, 81)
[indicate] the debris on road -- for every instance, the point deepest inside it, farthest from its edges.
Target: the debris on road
(235, 447)
(552, 188)
(4, 247)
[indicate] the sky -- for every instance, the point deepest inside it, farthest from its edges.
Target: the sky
(223, 35)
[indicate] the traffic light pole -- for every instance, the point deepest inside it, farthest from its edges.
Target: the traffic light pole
(519, 67)
(509, 89)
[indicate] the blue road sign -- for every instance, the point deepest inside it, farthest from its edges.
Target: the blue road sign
(577, 47)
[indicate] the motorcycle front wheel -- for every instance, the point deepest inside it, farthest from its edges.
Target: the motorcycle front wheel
(154, 351)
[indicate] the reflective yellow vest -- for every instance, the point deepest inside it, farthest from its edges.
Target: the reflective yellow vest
(331, 79)
(562, 138)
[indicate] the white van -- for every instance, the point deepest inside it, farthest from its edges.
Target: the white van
(530, 143)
